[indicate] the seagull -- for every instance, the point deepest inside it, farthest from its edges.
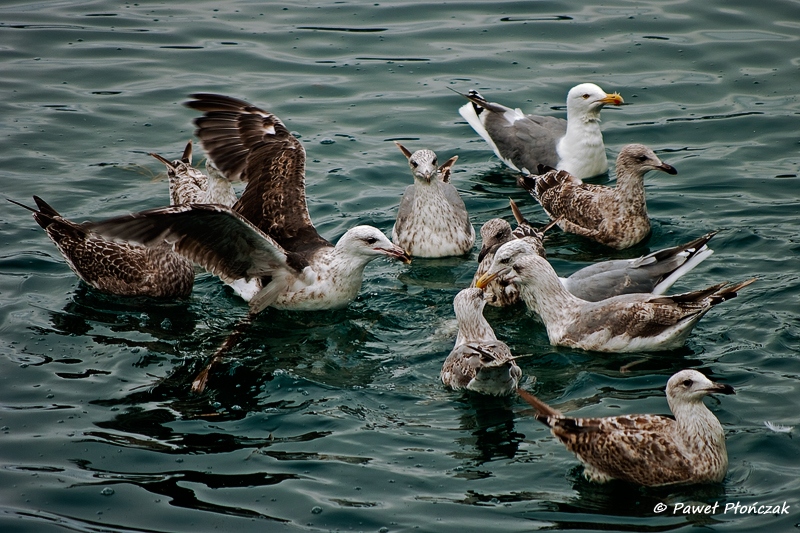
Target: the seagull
(654, 273)
(649, 450)
(495, 233)
(119, 268)
(187, 185)
(627, 323)
(265, 246)
(432, 220)
(523, 142)
(478, 362)
(616, 217)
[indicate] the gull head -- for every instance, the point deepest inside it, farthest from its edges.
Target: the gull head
(493, 232)
(639, 159)
(425, 165)
(469, 303)
(587, 99)
(504, 260)
(369, 242)
(690, 386)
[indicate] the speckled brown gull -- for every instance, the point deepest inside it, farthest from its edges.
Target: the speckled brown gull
(654, 273)
(119, 268)
(478, 362)
(187, 185)
(266, 246)
(432, 220)
(650, 450)
(616, 217)
(626, 323)
(523, 142)
(495, 233)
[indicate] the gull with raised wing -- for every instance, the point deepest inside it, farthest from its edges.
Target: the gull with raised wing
(614, 216)
(649, 450)
(627, 323)
(266, 246)
(478, 362)
(523, 142)
(432, 220)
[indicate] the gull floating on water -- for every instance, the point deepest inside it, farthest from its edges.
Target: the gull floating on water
(626, 323)
(650, 450)
(432, 220)
(523, 142)
(616, 217)
(654, 273)
(115, 267)
(187, 185)
(478, 362)
(266, 246)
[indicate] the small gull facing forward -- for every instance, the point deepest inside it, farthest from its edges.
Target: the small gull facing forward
(432, 220)
(616, 217)
(523, 142)
(626, 323)
(266, 246)
(650, 450)
(478, 362)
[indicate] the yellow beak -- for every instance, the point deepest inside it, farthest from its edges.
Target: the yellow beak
(613, 99)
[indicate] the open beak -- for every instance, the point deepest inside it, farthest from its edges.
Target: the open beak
(613, 99)
(489, 277)
(669, 169)
(396, 252)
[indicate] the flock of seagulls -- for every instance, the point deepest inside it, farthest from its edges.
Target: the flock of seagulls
(266, 248)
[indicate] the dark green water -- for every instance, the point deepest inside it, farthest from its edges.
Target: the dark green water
(336, 420)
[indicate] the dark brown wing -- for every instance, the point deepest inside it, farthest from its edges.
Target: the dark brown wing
(254, 146)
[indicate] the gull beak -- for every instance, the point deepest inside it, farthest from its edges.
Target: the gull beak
(613, 99)
(489, 277)
(669, 169)
(396, 252)
(484, 250)
(720, 388)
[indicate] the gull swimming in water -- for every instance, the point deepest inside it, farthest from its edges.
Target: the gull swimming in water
(627, 323)
(654, 273)
(432, 220)
(649, 450)
(523, 142)
(616, 217)
(187, 185)
(478, 362)
(115, 267)
(266, 246)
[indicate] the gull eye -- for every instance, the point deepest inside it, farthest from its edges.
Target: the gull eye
(642, 158)
(435, 162)
(585, 96)
(688, 383)
(370, 240)
(414, 163)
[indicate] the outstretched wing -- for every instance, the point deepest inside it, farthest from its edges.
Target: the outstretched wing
(213, 236)
(254, 146)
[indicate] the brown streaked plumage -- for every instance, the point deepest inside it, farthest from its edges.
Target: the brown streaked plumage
(266, 246)
(626, 323)
(478, 362)
(616, 217)
(650, 450)
(120, 268)
(187, 185)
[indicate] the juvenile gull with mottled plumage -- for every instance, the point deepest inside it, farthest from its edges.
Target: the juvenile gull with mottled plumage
(626, 323)
(187, 185)
(266, 246)
(654, 273)
(478, 362)
(523, 142)
(650, 450)
(115, 267)
(432, 220)
(616, 217)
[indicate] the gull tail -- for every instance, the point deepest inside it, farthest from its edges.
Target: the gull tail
(694, 253)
